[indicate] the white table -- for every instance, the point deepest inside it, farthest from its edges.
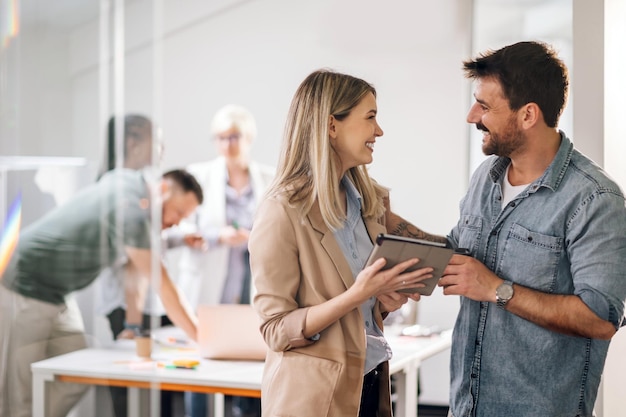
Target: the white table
(119, 367)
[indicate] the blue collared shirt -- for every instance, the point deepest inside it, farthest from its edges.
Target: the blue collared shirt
(356, 245)
(240, 208)
(564, 234)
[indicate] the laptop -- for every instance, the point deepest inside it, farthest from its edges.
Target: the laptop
(230, 331)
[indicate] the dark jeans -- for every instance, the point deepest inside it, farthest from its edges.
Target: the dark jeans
(197, 406)
(370, 394)
(119, 395)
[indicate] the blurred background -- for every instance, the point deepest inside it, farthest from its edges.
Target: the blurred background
(67, 66)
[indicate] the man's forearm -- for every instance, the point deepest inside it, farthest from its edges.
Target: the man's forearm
(135, 290)
(398, 226)
(174, 303)
(566, 314)
(176, 307)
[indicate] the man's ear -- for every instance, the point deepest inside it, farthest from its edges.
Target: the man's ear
(531, 114)
(166, 189)
(332, 127)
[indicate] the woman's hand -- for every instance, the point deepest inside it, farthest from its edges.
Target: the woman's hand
(394, 300)
(233, 236)
(373, 281)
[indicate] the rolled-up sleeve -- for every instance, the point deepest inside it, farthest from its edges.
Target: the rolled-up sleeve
(276, 275)
(597, 251)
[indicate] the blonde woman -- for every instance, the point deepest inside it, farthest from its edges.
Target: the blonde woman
(321, 310)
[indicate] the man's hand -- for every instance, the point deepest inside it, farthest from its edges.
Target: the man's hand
(126, 334)
(468, 277)
(195, 241)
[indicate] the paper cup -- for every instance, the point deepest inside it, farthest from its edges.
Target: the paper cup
(144, 346)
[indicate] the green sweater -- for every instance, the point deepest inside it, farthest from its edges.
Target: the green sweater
(67, 248)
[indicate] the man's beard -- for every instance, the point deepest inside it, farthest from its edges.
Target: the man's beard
(505, 143)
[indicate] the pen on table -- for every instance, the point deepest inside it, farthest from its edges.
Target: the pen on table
(173, 366)
(174, 340)
(179, 367)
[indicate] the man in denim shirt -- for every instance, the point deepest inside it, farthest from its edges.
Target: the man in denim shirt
(544, 289)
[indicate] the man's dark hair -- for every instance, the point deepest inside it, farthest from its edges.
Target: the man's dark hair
(134, 127)
(186, 182)
(529, 72)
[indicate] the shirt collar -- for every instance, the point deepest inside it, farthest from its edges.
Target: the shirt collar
(353, 201)
(551, 177)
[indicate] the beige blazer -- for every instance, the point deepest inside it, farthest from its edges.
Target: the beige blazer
(296, 265)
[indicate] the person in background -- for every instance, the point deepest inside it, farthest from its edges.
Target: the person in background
(63, 252)
(137, 144)
(310, 241)
(544, 288)
(213, 267)
(127, 312)
(137, 155)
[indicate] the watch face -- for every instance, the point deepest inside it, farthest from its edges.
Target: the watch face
(505, 291)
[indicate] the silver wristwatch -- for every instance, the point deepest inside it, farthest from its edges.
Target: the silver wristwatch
(504, 293)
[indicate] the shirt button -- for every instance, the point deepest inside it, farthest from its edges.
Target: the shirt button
(474, 376)
(367, 323)
(494, 232)
(512, 204)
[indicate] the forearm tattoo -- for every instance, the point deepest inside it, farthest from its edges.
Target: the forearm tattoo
(404, 228)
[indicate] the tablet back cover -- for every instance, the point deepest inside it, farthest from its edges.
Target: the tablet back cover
(397, 249)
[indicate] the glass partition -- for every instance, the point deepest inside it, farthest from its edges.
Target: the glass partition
(79, 96)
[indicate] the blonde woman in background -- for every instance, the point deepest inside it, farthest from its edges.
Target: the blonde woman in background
(308, 248)
(213, 265)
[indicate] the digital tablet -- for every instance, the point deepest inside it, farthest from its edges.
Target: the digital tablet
(397, 249)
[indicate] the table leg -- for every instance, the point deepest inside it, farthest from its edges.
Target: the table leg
(39, 393)
(411, 390)
(133, 401)
(406, 391)
(218, 405)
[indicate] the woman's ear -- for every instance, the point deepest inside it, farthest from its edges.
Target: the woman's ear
(332, 127)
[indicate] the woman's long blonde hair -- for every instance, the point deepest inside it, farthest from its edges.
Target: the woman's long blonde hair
(308, 169)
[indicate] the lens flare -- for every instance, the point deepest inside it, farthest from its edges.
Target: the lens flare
(9, 21)
(10, 233)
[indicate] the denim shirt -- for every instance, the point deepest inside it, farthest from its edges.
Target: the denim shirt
(564, 234)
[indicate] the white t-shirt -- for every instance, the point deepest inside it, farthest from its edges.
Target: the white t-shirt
(509, 192)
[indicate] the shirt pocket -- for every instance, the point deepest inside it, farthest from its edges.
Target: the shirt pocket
(470, 232)
(531, 258)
